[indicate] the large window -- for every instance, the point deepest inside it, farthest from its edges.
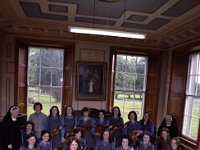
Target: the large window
(130, 84)
(192, 103)
(45, 77)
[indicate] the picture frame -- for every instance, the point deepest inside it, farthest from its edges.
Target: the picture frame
(90, 81)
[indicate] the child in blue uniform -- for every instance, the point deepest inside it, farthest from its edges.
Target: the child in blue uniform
(44, 143)
(53, 126)
(105, 141)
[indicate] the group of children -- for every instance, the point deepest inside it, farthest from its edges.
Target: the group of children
(70, 132)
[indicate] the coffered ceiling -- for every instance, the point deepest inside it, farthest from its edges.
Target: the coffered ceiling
(166, 22)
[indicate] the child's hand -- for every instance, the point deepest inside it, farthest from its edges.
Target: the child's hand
(10, 146)
(63, 140)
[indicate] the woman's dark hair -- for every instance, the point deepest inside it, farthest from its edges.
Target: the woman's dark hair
(101, 111)
(142, 121)
(43, 133)
(146, 133)
(77, 130)
(58, 112)
(177, 142)
(28, 137)
(126, 137)
(119, 112)
(110, 136)
(36, 104)
(69, 142)
(28, 122)
(65, 112)
(85, 109)
(8, 114)
(129, 114)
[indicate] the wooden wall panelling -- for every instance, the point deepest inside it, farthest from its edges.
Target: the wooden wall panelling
(68, 77)
(178, 79)
(152, 87)
(21, 77)
(111, 72)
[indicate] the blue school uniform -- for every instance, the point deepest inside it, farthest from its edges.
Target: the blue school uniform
(53, 123)
(117, 134)
(104, 145)
(45, 145)
(68, 123)
(131, 126)
(88, 130)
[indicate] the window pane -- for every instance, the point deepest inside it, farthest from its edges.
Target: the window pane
(139, 84)
(56, 95)
(45, 77)
(192, 103)
(191, 118)
(57, 76)
(34, 57)
(130, 84)
(33, 75)
(140, 68)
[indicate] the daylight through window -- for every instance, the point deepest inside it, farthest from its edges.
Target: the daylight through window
(45, 78)
(192, 103)
(130, 84)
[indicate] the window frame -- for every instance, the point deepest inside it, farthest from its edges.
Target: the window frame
(153, 71)
(143, 91)
(50, 86)
(187, 94)
(21, 58)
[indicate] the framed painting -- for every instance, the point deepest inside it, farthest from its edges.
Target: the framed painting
(90, 79)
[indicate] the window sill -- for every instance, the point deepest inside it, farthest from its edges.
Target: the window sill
(187, 143)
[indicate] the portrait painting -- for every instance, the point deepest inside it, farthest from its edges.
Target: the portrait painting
(90, 81)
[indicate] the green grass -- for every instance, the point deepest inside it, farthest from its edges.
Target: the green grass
(45, 100)
(127, 106)
(195, 119)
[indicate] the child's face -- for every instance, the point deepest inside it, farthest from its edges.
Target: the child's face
(85, 113)
(146, 117)
(116, 111)
(69, 110)
(106, 135)
(164, 135)
(132, 116)
(29, 127)
(124, 143)
(101, 115)
(146, 139)
(45, 137)
(54, 111)
(78, 135)
(73, 145)
(174, 145)
(31, 140)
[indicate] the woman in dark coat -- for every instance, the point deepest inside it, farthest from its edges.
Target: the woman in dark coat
(11, 130)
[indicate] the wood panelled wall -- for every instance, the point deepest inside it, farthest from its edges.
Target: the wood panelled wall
(176, 97)
(21, 78)
(68, 77)
(153, 84)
